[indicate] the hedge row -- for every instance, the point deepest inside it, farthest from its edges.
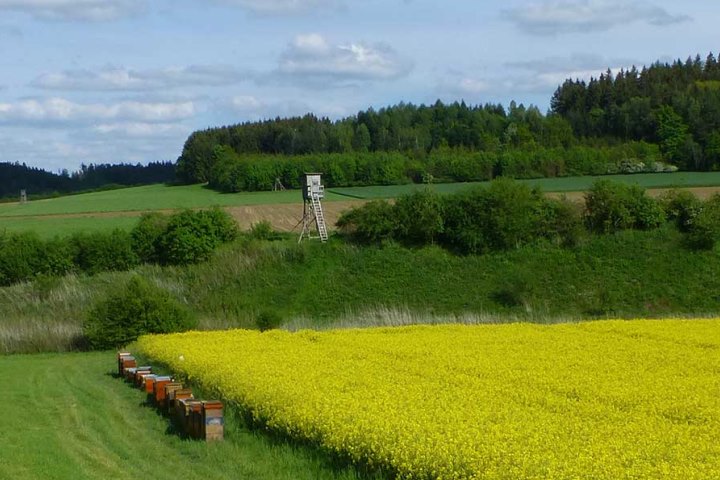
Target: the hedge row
(507, 214)
(233, 172)
(183, 238)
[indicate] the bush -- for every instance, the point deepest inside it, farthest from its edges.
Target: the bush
(559, 221)
(137, 309)
(499, 217)
(268, 320)
(19, 257)
(681, 207)
(262, 230)
(704, 232)
(191, 237)
(99, 252)
(612, 206)
(372, 223)
(146, 236)
(419, 217)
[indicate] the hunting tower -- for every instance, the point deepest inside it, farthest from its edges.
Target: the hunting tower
(313, 191)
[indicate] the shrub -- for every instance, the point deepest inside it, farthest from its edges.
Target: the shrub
(262, 230)
(498, 217)
(146, 236)
(373, 222)
(99, 252)
(191, 237)
(682, 207)
(704, 232)
(138, 308)
(612, 206)
(268, 320)
(19, 257)
(418, 217)
(559, 221)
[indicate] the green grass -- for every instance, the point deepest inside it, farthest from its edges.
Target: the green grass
(628, 275)
(564, 184)
(65, 417)
(50, 226)
(152, 197)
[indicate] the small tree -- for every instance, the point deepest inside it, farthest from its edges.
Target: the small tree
(704, 232)
(137, 309)
(419, 217)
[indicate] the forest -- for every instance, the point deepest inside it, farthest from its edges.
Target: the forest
(670, 112)
(38, 182)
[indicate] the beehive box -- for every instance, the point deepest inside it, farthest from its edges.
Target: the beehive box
(125, 360)
(213, 424)
(177, 395)
(147, 383)
(158, 392)
(139, 375)
(183, 413)
(129, 373)
(168, 395)
(195, 419)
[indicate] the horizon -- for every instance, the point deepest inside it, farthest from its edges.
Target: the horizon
(126, 81)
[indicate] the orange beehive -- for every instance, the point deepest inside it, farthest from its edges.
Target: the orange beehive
(213, 422)
(176, 396)
(168, 396)
(158, 392)
(129, 373)
(139, 374)
(147, 383)
(125, 360)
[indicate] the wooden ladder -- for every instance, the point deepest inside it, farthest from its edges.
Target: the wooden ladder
(320, 218)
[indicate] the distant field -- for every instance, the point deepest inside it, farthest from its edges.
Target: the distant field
(565, 184)
(101, 211)
(65, 417)
(152, 197)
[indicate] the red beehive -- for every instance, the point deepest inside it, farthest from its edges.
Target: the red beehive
(147, 383)
(139, 374)
(125, 360)
(159, 388)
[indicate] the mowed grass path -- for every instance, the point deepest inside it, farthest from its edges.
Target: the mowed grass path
(66, 417)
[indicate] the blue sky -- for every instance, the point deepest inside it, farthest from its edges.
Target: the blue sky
(96, 81)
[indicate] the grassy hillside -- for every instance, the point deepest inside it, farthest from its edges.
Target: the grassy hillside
(66, 417)
(631, 274)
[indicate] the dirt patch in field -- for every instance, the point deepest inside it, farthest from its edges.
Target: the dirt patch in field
(286, 217)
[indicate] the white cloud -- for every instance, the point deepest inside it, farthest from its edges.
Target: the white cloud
(282, 7)
(312, 59)
(66, 112)
(81, 10)
(142, 129)
(581, 16)
(123, 79)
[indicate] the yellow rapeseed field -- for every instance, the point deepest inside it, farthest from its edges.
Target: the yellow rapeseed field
(597, 400)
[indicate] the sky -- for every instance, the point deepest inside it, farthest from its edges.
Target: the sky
(110, 81)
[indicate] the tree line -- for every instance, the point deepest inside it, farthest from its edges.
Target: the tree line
(675, 107)
(39, 182)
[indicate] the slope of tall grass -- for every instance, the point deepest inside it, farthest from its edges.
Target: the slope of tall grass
(630, 274)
